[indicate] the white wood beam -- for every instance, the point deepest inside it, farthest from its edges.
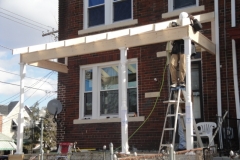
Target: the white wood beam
(37, 48)
(20, 50)
(55, 45)
(202, 41)
(119, 33)
(207, 17)
(106, 45)
(74, 41)
(55, 66)
(96, 37)
(141, 29)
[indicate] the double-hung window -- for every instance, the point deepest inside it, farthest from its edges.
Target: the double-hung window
(183, 3)
(100, 90)
(178, 4)
(103, 12)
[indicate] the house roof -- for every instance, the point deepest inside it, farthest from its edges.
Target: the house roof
(40, 55)
(6, 143)
(4, 137)
(5, 110)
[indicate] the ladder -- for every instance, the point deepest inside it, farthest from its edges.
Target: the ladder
(176, 101)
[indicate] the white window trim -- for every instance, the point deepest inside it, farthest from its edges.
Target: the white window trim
(108, 13)
(109, 120)
(190, 9)
(96, 91)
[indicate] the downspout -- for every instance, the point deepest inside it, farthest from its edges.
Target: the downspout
(234, 60)
(219, 101)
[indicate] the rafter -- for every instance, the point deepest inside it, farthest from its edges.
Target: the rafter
(55, 66)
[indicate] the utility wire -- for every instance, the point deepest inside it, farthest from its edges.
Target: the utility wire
(26, 76)
(25, 17)
(38, 87)
(27, 86)
(21, 23)
(10, 97)
(23, 20)
(6, 47)
(40, 100)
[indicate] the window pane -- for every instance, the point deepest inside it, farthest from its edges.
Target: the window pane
(183, 3)
(195, 77)
(122, 10)
(109, 78)
(132, 100)
(195, 74)
(88, 80)
(87, 104)
(132, 75)
(109, 102)
(96, 16)
(95, 2)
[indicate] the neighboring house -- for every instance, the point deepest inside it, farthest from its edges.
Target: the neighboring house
(10, 118)
(96, 33)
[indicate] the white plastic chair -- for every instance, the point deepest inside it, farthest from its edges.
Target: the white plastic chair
(64, 150)
(205, 129)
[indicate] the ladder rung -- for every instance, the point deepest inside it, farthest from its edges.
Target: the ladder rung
(165, 144)
(168, 129)
(173, 115)
(173, 101)
(182, 114)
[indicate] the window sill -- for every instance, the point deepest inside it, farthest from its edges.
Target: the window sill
(110, 26)
(107, 120)
(188, 10)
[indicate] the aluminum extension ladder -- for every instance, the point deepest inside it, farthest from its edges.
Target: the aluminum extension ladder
(176, 101)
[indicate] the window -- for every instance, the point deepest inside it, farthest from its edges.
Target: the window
(100, 90)
(183, 3)
(122, 10)
(96, 12)
(103, 12)
(178, 4)
(88, 93)
(14, 125)
(109, 90)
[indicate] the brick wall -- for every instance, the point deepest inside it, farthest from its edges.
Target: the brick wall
(149, 67)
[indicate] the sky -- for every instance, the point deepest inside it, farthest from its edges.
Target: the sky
(22, 23)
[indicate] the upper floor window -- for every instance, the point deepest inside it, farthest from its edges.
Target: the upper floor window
(183, 3)
(178, 4)
(103, 12)
(100, 90)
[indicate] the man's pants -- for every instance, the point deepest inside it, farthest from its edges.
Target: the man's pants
(175, 58)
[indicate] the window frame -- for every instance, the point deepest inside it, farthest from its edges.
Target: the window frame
(108, 15)
(170, 5)
(96, 89)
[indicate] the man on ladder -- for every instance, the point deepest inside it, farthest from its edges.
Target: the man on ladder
(178, 62)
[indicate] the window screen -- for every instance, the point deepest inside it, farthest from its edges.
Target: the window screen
(122, 10)
(183, 3)
(96, 12)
